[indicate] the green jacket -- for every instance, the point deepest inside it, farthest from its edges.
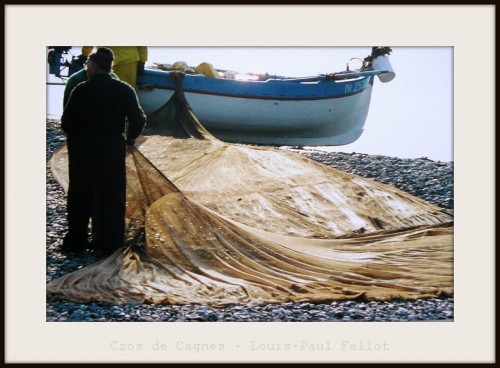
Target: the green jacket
(75, 80)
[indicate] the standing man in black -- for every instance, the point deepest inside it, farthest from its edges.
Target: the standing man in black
(102, 116)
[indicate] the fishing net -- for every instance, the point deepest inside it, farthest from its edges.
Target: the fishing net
(216, 223)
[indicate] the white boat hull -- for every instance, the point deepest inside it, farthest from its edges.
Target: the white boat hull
(332, 121)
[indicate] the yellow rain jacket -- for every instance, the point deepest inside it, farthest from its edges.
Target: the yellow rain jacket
(126, 59)
(123, 54)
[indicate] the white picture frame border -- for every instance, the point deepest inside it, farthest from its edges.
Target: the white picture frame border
(29, 29)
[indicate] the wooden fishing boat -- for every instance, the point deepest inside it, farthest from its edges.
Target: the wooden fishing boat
(272, 110)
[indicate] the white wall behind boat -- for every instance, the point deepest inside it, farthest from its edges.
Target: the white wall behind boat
(409, 117)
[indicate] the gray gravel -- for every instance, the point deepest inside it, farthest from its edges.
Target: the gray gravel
(424, 178)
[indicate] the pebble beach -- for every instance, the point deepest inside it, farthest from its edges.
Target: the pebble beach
(429, 180)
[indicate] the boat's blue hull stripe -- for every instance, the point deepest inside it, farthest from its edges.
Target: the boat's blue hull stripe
(263, 97)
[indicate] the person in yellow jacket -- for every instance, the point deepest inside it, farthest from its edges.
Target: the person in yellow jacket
(129, 60)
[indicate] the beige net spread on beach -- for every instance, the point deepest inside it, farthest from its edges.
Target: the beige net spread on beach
(216, 223)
